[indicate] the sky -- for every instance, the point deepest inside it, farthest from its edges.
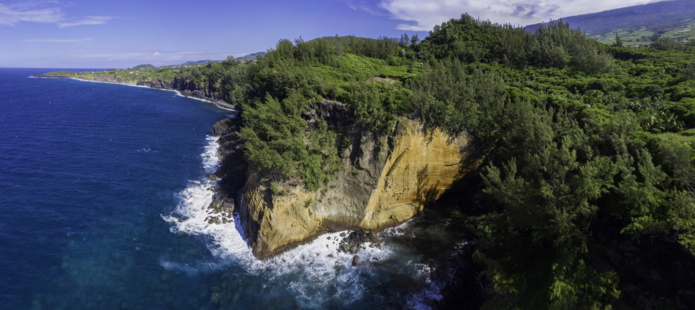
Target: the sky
(126, 33)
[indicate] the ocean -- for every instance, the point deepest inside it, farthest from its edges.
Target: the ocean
(103, 191)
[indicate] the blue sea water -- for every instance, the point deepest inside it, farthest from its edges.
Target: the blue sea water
(103, 196)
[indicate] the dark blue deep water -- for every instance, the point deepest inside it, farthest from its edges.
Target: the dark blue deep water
(102, 196)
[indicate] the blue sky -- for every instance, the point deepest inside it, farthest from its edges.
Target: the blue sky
(125, 33)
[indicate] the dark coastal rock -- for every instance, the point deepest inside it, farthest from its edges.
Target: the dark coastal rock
(188, 89)
(222, 127)
(156, 84)
(355, 260)
(232, 162)
(353, 242)
(232, 167)
(191, 89)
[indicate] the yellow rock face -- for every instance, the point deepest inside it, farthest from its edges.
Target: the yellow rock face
(283, 221)
(422, 165)
(419, 167)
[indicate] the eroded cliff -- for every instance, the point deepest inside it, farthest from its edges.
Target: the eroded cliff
(420, 167)
(386, 181)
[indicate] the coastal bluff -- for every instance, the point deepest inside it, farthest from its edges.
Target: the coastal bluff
(387, 179)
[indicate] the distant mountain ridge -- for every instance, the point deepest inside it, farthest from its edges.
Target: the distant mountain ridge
(675, 19)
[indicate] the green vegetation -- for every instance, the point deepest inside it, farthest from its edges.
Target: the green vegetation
(588, 148)
(143, 67)
(125, 76)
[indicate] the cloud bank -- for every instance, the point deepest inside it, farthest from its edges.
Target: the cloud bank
(421, 15)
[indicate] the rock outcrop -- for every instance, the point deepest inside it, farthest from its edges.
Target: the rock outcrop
(189, 89)
(387, 180)
(231, 171)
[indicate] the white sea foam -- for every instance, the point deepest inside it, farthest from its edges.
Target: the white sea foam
(210, 159)
(317, 272)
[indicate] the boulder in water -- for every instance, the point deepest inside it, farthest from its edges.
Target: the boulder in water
(355, 260)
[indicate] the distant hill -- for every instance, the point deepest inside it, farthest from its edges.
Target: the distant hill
(250, 56)
(637, 24)
(143, 67)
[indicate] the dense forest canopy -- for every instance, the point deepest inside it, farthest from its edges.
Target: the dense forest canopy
(587, 148)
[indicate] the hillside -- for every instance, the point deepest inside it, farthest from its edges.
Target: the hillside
(637, 24)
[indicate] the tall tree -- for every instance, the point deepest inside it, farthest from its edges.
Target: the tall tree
(338, 47)
(618, 42)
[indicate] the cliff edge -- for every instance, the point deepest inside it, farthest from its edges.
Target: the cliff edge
(387, 180)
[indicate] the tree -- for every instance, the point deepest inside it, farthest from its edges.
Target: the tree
(414, 40)
(272, 133)
(338, 47)
(618, 42)
(404, 40)
(548, 190)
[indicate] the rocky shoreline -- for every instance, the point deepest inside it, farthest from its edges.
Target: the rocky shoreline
(231, 172)
(179, 86)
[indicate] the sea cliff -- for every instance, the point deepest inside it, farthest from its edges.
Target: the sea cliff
(387, 179)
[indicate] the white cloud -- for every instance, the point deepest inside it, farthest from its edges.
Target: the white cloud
(360, 5)
(423, 16)
(57, 40)
(91, 20)
(10, 16)
(156, 54)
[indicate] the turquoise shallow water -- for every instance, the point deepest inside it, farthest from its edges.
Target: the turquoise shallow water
(102, 196)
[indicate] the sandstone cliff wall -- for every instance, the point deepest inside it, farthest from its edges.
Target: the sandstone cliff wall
(421, 166)
(386, 181)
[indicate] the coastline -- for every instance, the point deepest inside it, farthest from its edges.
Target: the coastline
(218, 103)
(218, 213)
